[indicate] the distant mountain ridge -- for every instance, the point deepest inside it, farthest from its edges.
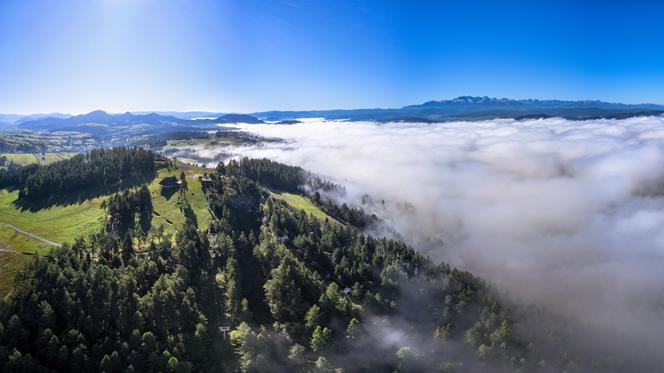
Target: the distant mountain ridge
(459, 108)
(478, 108)
(233, 118)
(16, 119)
(506, 102)
(98, 120)
(184, 114)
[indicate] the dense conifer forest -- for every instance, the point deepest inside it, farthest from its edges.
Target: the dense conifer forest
(97, 168)
(265, 288)
(123, 208)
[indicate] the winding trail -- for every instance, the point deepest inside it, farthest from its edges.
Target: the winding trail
(32, 235)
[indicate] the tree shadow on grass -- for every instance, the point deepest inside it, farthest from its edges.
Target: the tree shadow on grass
(145, 220)
(79, 196)
(168, 192)
(190, 215)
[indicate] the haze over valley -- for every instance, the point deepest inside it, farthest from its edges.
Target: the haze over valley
(559, 213)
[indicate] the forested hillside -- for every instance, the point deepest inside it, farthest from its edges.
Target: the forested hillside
(266, 288)
(294, 179)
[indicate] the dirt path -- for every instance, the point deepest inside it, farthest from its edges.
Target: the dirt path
(32, 235)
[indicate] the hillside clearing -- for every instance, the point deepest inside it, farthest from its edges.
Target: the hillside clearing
(299, 202)
(59, 223)
(24, 159)
(168, 213)
(64, 223)
(12, 257)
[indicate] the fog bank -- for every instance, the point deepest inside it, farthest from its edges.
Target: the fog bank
(566, 214)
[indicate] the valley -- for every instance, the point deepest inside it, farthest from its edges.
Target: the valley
(247, 228)
(331, 186)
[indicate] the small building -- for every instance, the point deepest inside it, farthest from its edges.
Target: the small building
(109, 223)
(205, 180)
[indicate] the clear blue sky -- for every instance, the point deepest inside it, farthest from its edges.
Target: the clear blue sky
(249, 55)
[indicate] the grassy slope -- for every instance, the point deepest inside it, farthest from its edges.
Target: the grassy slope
(21, 242)
(54, 157)
(302, 203)
(65, 223)
(12, 262)
(28, 158)
(60, 141)
(21, 158)
(168, 212)
(56, 223)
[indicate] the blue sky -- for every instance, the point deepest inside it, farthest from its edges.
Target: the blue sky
(250, 55)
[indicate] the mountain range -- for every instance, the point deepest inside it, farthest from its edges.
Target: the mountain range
(478, 108)
(460, 108)
(100, 122)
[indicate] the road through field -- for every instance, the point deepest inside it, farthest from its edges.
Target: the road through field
(36, 237)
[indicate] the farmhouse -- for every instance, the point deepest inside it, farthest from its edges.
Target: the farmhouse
(205, 180)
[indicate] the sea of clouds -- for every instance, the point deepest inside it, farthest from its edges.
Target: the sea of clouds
(565, 214)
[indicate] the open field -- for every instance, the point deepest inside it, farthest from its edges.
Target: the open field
(12, 258)
(57, 223)
(64, 223)
(21, 242)
(20, 158)
(299, 202)
(212, 142)
(28, 141)
(54, 157)
(179, 144)
(29, 158)
(167, 211)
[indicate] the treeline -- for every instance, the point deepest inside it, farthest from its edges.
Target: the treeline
(267, 172)
(100, 167)
(296, 180)
(124, 208)
(277, 175)
(18, 147)
(349, 215)
(161, 139)
(14, 176)
(237, 136)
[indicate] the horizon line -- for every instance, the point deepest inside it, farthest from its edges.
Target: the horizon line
(148, 111)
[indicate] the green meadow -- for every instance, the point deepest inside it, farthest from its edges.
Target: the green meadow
(29, 158)
(301, 203)
(65, 222)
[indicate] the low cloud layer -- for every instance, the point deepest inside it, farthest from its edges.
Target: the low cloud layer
(565, 214)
